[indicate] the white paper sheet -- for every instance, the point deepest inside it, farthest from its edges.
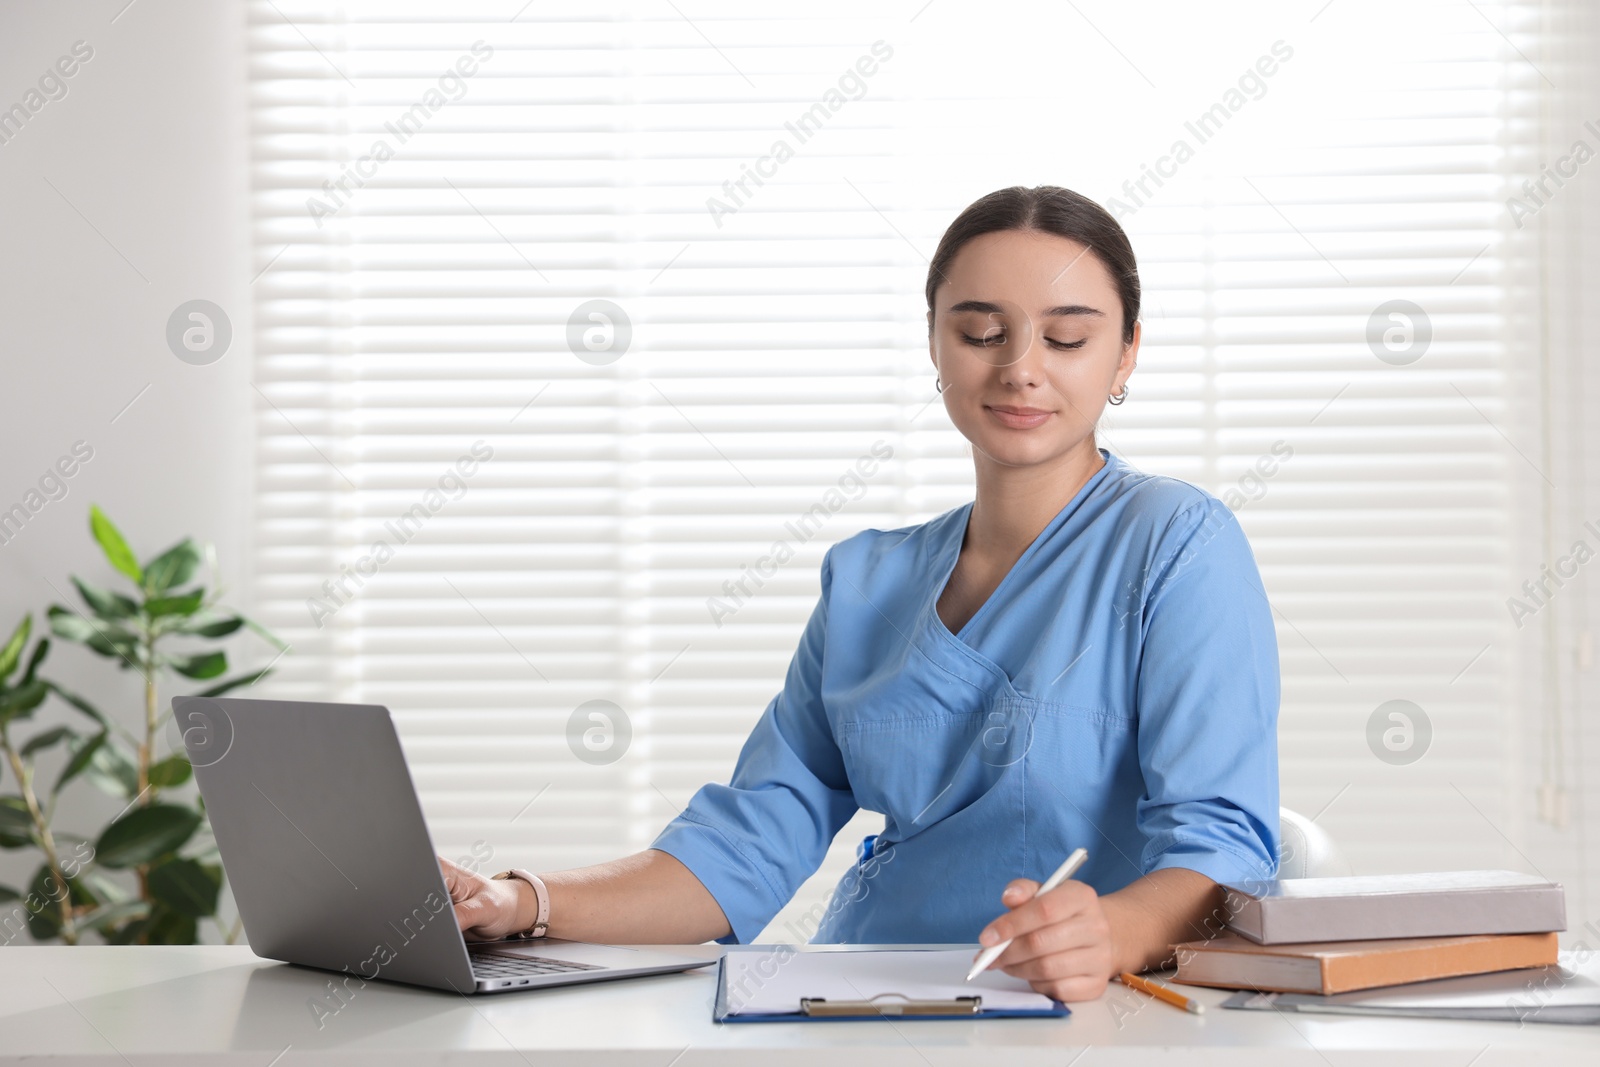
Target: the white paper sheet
(1569, 991)
(1530, 986)
(773, 981)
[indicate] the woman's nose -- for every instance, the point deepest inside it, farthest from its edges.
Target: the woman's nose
(1024, 363)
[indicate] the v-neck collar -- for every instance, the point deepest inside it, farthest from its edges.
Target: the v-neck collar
(952, 553)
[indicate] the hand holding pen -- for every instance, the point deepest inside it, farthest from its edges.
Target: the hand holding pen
(1057, 936)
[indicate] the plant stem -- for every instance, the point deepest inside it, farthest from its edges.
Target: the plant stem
(147, 748)
(47, 841)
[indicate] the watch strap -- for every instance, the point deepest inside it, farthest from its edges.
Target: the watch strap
(541, 922)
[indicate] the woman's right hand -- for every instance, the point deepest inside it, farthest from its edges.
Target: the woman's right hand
(488, 909)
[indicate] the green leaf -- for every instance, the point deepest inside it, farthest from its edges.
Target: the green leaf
(235, 683)
(217, 628)
(187, 887)
(81, 704)
(7, 893)
(112, 543)
(39, 652)
(207, 852)
(44, 901)
(172, 771)
(107, 890)
(187, 604)
(105, 638)
(127, 934)
(40, 742)
(16, 825)
(11, 654)
(173, 568)
(106, 604)
(44, 894)
(146, 834)
(83, 750)
(69, 625)
(204, 665)
(115, 646)
(168, 927)
(19, 703)
(82, 894)
(109, 915)
(113, 772)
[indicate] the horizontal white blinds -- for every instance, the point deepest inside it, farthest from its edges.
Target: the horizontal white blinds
(423, 306)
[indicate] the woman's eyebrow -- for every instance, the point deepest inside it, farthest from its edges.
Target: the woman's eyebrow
(1055, 312)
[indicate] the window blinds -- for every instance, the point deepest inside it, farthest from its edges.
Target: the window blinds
(581, 333)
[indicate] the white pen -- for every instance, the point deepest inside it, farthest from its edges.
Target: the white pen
(1063, 872)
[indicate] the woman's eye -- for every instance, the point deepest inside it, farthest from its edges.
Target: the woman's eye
(987, 340)
(990, 340)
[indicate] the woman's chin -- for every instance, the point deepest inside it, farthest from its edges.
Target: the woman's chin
(1024, 449)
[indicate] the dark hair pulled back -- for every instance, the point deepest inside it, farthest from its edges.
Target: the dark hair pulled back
(1046, 209)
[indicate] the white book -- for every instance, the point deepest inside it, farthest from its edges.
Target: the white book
(1434, 904)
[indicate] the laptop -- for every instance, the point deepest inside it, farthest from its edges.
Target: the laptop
(330, 862)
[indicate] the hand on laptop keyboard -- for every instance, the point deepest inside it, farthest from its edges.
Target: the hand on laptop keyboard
(486, 909)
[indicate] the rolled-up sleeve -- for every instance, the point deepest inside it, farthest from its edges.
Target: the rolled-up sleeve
(753, 841)
(1208, 692)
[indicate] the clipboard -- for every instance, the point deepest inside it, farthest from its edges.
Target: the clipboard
(853, 991)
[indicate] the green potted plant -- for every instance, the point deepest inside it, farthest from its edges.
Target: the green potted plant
(158, 838)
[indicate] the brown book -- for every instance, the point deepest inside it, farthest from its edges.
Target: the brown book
(1325, 967)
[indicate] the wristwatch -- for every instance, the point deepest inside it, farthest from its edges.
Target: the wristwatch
(541, 924)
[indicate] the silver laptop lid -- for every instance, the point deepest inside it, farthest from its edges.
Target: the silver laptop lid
(324, 843)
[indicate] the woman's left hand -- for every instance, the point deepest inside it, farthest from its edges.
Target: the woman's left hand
(1060, 941)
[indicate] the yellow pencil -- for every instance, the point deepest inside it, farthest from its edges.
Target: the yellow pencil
(1161, 992)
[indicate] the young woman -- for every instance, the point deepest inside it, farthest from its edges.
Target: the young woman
(1082, 656)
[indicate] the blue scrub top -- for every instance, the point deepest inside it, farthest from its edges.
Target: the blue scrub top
(1117, 691)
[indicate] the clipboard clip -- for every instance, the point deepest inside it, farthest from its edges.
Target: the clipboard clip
(889, 1004)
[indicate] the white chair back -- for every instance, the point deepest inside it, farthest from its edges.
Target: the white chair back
(1307, 851)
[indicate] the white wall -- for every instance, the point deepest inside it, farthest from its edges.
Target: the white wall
(147, 144)
(1564, 674)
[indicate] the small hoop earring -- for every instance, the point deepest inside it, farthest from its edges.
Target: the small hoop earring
(1119, 398)
(938, 386)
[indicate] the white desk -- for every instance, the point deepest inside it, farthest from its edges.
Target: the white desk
(216, 1005)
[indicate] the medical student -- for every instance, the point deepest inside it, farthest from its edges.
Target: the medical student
(1084, 655)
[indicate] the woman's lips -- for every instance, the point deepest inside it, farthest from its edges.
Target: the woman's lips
(1019, 418)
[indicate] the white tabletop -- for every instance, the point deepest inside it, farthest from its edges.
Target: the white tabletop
(220, 1005)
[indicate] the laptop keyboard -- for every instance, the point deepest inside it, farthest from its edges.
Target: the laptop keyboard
(496, 965)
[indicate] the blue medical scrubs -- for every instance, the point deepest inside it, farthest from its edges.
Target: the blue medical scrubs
(1117, 691)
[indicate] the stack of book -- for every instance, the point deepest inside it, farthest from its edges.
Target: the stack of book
(1334, 935)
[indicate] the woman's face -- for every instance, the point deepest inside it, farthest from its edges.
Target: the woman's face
(1027, 340)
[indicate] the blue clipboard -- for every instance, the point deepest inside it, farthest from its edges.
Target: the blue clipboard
(814, 1009)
